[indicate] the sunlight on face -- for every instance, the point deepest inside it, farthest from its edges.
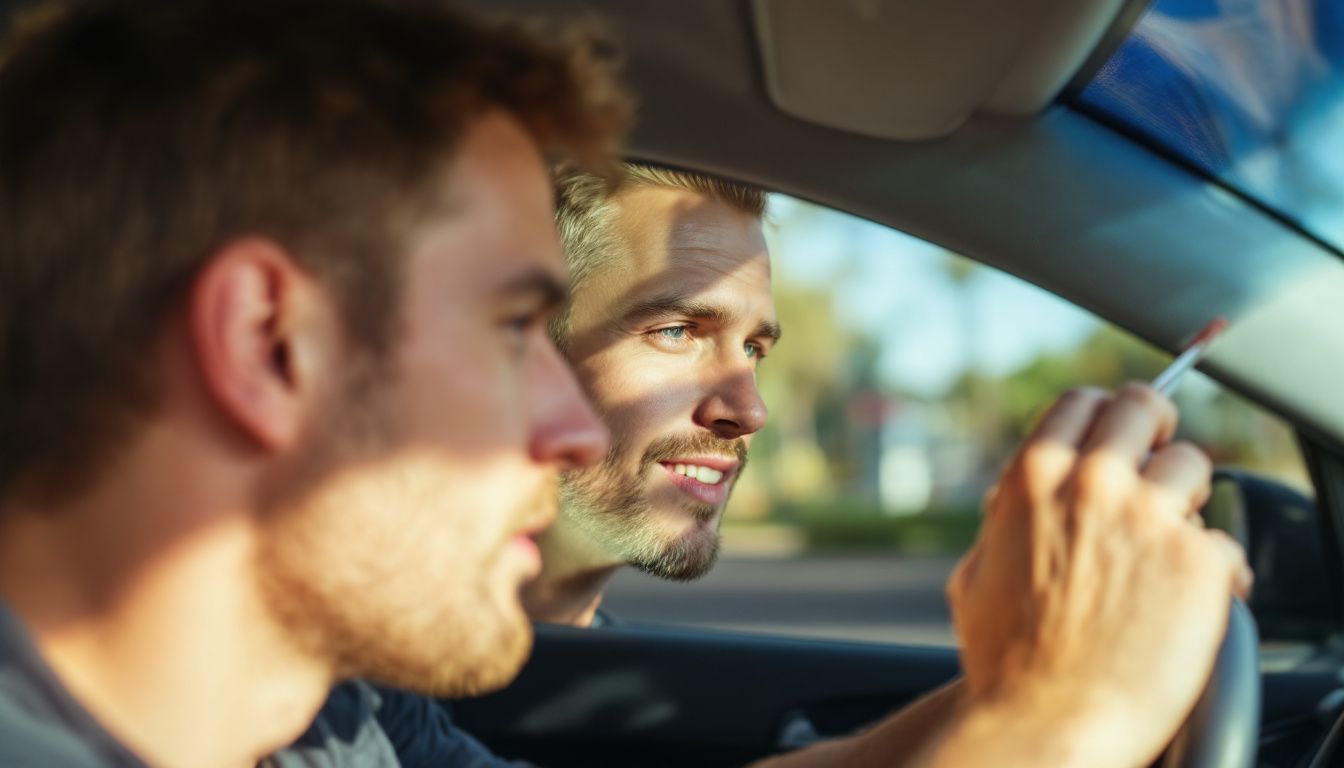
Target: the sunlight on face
(667, 346)
(401, 554)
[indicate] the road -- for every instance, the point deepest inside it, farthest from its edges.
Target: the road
(875, 598)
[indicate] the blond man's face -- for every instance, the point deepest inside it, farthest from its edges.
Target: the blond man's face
(666, 341)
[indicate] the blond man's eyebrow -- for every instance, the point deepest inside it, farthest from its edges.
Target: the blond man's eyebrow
(695, 309)
(768, 329)
(676, 305)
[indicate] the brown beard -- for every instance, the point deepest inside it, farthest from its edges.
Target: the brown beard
(609, 505)
(363, 611)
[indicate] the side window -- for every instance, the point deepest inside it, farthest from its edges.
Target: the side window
(905, 378)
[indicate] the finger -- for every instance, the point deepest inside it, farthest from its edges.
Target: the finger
(962, 576)
(1132, 423)
(1067, 421)
(1242, 576)
(1050, 454)
(1183, 472)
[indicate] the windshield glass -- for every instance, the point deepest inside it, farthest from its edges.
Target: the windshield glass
(1251, 91)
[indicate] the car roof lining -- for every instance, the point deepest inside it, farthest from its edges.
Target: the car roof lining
(940, 61)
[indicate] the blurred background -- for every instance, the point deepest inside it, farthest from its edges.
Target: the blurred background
(905, 378)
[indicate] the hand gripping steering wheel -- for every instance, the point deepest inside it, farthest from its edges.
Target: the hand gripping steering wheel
(1223, 729)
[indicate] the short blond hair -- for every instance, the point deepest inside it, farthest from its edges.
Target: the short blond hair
(585, 211)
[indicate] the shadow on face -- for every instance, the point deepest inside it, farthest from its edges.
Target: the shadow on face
(666, 339)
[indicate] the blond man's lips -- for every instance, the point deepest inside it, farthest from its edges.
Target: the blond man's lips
(703, 478)
(711, 470)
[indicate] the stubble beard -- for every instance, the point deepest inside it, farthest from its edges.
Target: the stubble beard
(609, 505)
(368, 615)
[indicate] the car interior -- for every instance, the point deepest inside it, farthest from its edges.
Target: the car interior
(990, 129)
(970, 125)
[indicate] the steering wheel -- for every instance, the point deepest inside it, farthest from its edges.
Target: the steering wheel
(1223, 729)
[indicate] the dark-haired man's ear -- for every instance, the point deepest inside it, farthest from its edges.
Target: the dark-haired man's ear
(255, 320)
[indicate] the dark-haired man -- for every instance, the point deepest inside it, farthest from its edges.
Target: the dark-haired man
(278, 403)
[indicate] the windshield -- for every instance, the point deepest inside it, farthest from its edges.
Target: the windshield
(1250, 91)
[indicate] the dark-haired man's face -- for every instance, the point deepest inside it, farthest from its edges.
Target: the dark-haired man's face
(666, 339)
(402, 553)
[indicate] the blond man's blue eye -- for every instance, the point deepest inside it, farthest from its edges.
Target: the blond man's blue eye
(676, 334)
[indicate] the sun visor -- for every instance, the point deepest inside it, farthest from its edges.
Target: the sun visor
(917, 69)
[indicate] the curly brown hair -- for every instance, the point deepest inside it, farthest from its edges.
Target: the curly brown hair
(137, 137)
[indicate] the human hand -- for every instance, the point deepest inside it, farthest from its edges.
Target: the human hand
(1089, 599)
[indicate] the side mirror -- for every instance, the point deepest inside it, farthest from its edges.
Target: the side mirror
(1281, 531)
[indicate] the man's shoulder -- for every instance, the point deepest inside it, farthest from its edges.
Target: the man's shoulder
(33, 739)
(41, 724)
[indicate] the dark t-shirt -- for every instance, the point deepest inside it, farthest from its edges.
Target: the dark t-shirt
(344, 734)
(423, 734)
(41, 724)
(361, 726)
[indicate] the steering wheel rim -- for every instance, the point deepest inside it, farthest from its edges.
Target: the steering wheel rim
(1223, 730)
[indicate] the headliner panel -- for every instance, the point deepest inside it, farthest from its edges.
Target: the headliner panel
(940, 60)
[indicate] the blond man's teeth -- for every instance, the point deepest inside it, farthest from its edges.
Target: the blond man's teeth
(706, 475)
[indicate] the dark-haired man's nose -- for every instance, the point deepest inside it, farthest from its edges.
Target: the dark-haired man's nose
(565, 432)
(733, 406)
